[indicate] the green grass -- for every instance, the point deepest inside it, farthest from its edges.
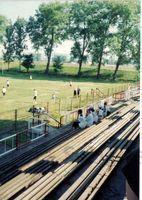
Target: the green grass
(20, 93)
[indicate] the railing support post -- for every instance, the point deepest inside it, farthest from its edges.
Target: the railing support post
(71, 104)
(17, 141)
(16, 119)
(61, 120)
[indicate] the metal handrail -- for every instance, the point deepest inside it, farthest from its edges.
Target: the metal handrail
(103, 95)
(3, 139)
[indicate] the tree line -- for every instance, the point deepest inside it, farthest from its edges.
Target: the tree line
(96, 27)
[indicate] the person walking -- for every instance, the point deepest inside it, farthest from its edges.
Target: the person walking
(78, 91)
(70, 83)
(35, 95)
(3, 91)
(7, 83)
(54, 97)
(74, 93)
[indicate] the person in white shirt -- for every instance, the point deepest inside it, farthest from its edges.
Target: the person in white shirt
(7, 83)
(89, 118)
(101, 104)
(81, 121)
(95, 116)
(4, 91)
(31, 77)
(35, 95)
(54, 97)
(70, 83)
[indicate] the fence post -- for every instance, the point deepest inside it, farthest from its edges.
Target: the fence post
(87, 99)
(79, 101)
(59, 105)
(47, 107)
(17, 141)
(111, 91)
(93, 97)
(123, 87)
(33, 111)
(71, 103)
(61, 120)
(16, 119)
(108, 92)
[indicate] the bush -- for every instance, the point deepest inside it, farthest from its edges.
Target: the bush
(28, 61)
(58, 63)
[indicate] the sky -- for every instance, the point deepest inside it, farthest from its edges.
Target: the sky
(25, 8)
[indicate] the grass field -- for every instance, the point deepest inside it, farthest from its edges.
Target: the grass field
(20, 93)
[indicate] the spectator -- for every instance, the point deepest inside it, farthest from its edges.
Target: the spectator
(89, 118)
(106, 110)
(95, 116)
(4, 91)
(31, 77)
(81, 122)
(102, 104)
(37, 110)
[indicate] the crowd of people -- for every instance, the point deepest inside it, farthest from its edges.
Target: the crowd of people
(92, 116)
(37, 110)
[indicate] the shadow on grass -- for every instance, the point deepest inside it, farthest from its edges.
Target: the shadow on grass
(86, 76)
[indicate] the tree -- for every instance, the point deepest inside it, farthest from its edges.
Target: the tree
(19, 39)
(58, 63)
(104, 17)
(28, 62)
(136, 50)
(48, 28)
(125, 43)
(8, 53)
(79, 31)
(3, 24)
